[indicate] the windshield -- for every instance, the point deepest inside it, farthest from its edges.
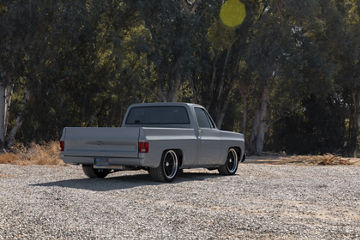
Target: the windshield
(158, 115)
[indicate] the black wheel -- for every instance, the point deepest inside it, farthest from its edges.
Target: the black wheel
(231, 164)
(180, 172)
(92, 172)
(244, 157)
(168, 168)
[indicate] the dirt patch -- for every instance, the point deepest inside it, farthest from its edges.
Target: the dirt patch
(35, 154)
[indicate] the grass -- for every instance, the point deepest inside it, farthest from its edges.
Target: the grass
(35, 154)
(327, 159)
(48, 154)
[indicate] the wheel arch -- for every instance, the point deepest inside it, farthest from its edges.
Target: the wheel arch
(238, 152)
(179, 154)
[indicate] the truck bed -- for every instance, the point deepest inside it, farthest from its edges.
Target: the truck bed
(119, 146)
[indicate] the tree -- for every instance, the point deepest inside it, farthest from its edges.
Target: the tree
(172, 25)
(20, 34)
(346, 54)
(290, 63)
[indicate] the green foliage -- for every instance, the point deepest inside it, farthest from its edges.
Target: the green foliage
(220, 36)
(319, 128)
(81, 63)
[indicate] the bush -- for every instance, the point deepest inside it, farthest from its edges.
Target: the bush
(327, 159)
(35, 154)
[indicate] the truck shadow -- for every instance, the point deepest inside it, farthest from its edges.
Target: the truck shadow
(124, 181)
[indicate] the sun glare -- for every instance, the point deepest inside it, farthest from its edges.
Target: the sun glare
(232, 13)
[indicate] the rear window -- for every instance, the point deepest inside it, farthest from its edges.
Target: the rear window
(158, 115)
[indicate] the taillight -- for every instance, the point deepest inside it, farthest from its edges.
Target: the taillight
(62, 146)
(143, 147)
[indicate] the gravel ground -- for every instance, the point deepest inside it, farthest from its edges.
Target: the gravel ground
(260, 202)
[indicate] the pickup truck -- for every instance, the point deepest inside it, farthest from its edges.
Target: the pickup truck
(162, 138)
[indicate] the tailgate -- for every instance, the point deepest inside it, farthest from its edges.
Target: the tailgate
(101, 142)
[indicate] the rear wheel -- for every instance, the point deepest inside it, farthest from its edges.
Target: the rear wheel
(180, 172)
(168, 168)
(92, 172)
(231, 164)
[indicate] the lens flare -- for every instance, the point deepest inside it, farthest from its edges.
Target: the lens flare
(232, 13)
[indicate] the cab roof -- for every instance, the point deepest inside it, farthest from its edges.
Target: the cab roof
(165, 104)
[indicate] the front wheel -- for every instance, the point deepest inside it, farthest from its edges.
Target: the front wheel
(168, 168)
(92, 172)
(231, 164)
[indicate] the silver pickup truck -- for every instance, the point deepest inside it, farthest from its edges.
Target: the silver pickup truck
(162, 138)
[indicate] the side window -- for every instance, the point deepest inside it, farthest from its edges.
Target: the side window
(202, 118)
(211, 121)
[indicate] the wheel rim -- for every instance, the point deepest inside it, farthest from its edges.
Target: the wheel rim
(170, 164)
(232, 160)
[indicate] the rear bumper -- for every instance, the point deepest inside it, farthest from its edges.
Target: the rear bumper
(113, 162)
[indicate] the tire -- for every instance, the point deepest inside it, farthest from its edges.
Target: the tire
(231, 165)
(92, 172)
(244, 158)
(168, 168)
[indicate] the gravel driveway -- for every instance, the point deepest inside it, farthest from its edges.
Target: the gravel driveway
(261, 201)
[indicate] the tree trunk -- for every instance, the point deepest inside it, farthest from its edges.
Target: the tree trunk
(223, 74)
(220, 109)
(212, 84)
(262, 127)
(195, 96)
(244, 98)
(221, 114)
(14, 130)
(2, 116)
(174, 91)
(254, 132)
(354, 131)
(176, 82)
(18, 122)
(244, 116)
(258, 134)
(161, 93)
(8, 97)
